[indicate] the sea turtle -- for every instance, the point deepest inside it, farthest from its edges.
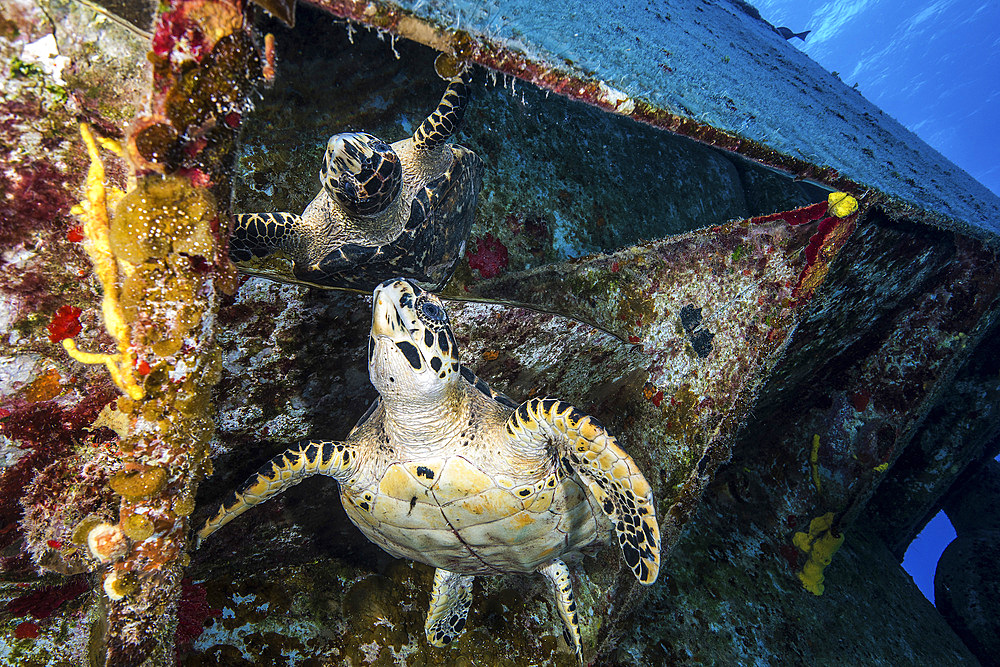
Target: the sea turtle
(445, 471)
(383, 210)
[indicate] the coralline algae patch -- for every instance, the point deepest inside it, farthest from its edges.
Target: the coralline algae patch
(487, 255)
(60, 497)
(45, 624)
(56, 471)
(36, 197)
(40, 269)
(41, 163)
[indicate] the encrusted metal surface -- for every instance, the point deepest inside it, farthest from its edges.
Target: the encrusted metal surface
(713, 71)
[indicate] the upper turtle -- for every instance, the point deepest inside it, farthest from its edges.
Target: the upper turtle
(445, 471)
(401, 209)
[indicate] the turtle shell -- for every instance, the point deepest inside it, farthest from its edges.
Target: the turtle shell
(454, 514)
(428, 247)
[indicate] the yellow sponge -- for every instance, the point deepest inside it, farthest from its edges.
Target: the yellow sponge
(841, 204)
(820, 543)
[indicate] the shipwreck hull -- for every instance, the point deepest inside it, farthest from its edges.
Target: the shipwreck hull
(670, 264)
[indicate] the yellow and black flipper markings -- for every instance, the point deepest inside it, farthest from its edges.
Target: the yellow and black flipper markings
(310, 457)
(444, 120)
(450, 601)
(260, 234)
(610, 474)
(562, 592)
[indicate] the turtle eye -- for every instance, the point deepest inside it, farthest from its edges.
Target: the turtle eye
(432, 311)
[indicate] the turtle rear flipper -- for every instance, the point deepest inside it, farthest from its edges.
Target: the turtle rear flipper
(450, 601)
(260, 234)
(562, 592)
(310, 457)
(586, 448)
(443, 121)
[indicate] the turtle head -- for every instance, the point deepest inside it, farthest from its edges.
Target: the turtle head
(361, 172)
(412, 354)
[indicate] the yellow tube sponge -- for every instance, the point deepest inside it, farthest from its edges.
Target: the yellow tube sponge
(814, 463)
(820, 543)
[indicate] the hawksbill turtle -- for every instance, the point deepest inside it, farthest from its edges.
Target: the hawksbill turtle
(383, 210)
(446, 471)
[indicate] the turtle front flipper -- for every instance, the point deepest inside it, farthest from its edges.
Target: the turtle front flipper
(260, 234)
(485, 389)
(311, 457)
(562, 592)
(443, 121)
(450, 601)
(585, 447)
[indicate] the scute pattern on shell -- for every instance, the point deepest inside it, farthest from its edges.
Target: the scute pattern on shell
(458, 517)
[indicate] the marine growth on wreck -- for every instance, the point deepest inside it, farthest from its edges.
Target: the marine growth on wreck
(153, 257)
(784, 352)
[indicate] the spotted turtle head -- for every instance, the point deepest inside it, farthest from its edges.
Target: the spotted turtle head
(361, 172)
(412, 353)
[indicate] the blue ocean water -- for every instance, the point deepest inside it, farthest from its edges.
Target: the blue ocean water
(934, 65)
(923, 553)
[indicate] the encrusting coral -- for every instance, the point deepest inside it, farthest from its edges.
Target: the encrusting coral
(153, 248)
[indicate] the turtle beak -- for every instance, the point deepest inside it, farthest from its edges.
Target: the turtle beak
(385, 309)
(383, 313)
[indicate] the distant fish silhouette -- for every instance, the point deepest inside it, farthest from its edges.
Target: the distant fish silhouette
(788, 34)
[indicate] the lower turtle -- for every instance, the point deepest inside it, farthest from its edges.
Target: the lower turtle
(445, 471)
(383, 210)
